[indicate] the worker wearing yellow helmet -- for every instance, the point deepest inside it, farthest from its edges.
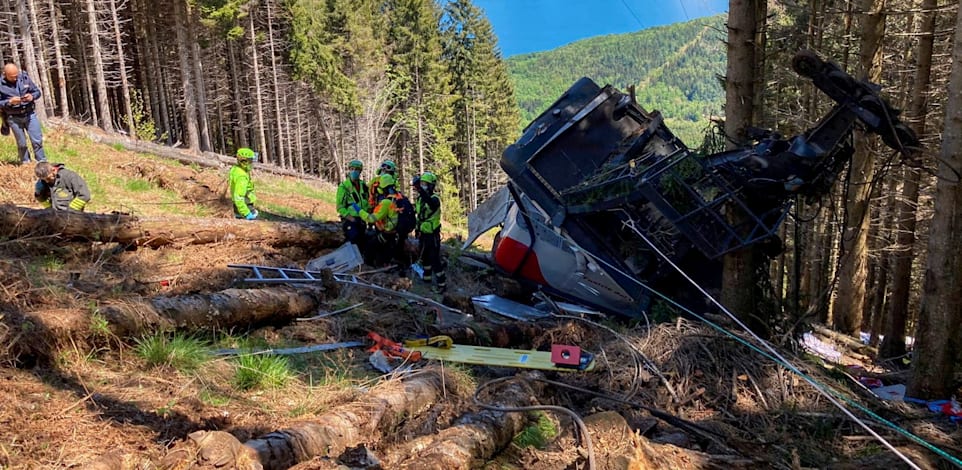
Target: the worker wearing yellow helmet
(388, 167)
(384, 216)
(241, 186)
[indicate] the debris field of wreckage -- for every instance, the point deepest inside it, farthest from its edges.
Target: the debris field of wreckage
(405, 354)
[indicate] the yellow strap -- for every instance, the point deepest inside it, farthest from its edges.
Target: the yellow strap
(441, 341)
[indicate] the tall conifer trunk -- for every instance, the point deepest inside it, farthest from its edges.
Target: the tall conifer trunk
(740, 290)
(853, 272)
(937, 345)
(96, 51)
(893, 329)
(187, 84)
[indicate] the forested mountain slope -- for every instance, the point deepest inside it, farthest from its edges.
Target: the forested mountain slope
(674, 67)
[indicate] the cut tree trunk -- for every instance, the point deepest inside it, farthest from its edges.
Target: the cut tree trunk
(158, 231)
(383, 410)
(220, 310)
(347, 426)
(472, 440)
(52, 330)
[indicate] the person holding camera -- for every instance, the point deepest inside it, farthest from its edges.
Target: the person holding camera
(18, 98)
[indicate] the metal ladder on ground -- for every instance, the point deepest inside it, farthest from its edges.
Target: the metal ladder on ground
(274, 275)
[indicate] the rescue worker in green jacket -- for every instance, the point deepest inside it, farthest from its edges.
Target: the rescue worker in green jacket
(384, 216)
(60, 188)
(428, 230)
(242, 186)
(352, 205)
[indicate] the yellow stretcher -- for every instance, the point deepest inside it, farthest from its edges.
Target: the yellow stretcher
(561, 358)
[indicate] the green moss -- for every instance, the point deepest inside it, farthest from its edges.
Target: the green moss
(538, 434)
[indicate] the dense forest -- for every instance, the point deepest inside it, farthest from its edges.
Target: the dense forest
(309, 84)
(878, 254)
(676, 69)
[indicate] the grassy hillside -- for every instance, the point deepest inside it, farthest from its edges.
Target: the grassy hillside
(674, 67)
(124, 181)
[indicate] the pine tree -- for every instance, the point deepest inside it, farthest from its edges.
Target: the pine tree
(484, 104)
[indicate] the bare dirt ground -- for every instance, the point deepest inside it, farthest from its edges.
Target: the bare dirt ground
(90, 395)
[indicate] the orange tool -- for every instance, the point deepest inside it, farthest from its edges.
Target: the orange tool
(392, 349)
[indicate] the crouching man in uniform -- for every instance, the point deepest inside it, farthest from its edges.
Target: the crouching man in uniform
(60, 188)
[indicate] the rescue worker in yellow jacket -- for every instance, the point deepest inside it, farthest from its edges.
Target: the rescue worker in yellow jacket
(428, 230)
(59, 188)
(242, 186)
(384, 216)
(352, 205)
(387, 167)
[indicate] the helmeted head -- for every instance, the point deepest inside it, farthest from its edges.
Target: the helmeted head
(46, 172)
(246, 157)
(354, 169)
(386, 183)
(387, 167)
(428, 181)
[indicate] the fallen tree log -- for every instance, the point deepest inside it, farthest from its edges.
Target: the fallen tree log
(854, 345)
(219, 310)
(473, 439)
(326, 437)
(347, 426)
(51, 330)
(509, 334)
(45, 333)
(183, 182)
(212, 450)
(18, 222)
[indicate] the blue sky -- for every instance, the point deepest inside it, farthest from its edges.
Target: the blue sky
(537, 25)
